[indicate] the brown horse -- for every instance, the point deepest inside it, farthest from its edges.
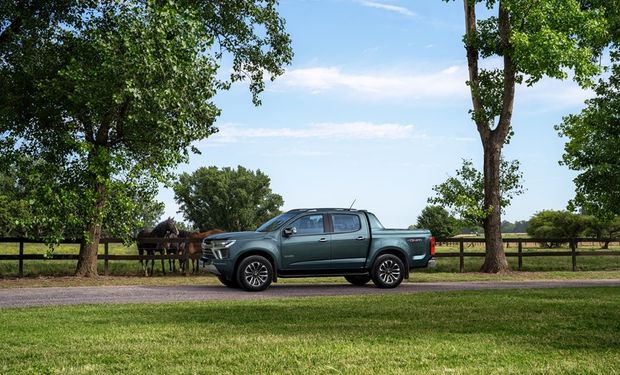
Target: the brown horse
(194, 247)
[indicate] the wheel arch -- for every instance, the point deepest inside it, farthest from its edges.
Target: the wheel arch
(396, 252)
(262, 252)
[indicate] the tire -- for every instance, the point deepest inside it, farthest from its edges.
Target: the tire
(358, 280)
(229, 283)
(388, 271)
(254, 273)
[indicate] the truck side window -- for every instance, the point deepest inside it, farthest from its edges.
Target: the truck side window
(312, 224)
(346, 223)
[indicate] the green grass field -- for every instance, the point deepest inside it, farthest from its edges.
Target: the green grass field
(553, 331)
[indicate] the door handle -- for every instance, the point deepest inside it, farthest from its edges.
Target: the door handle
(323, 240)
(360, 238)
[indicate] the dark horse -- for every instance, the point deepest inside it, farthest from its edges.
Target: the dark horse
(150, 247)
(177, 248)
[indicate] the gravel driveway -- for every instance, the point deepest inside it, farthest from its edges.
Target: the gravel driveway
(24, 297)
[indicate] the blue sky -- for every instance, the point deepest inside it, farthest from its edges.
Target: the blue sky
(374, 107)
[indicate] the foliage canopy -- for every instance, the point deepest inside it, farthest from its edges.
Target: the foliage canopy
(229, 199)
(107, 96)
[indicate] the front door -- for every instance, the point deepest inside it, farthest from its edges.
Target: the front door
(309, 248)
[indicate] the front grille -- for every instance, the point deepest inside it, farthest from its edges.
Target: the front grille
(207, 249)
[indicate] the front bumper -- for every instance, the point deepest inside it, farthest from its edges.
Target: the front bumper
(208, 266)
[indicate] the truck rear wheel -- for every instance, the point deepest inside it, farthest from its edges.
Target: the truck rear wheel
(388, 271)
(254, 273)
(358, 280)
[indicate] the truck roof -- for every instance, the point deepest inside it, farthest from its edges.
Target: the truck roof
(325, 209)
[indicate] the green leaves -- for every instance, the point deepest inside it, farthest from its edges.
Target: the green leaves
(438, 221)
(592, 149)
(464, 194)
(230, 199)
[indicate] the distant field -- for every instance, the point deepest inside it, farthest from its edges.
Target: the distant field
(554, 331)
(33, 268)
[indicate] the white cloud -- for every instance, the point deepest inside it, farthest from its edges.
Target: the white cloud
(230, 133)
(447, 82)
(391, 8)
(387, 85)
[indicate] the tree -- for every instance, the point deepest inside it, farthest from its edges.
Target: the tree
(229, 199)
(533, 39)
(464, 194)
(557, 225)
(605, 230)
(110, 95)
(438, 221)
(592, 149)
(14, 207)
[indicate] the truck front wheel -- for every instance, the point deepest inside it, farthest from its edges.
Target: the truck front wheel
(388, 271)
(254, 273)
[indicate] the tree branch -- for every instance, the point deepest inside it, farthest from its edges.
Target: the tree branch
(472, 65)
(508, 94)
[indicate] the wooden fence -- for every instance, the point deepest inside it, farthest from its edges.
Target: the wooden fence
(572, 251)
(106, 256)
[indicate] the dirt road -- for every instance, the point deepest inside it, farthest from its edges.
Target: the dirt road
(24, 297)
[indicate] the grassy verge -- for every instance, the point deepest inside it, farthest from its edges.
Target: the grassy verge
(554, 331)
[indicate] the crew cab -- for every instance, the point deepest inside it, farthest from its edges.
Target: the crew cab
(318, 242)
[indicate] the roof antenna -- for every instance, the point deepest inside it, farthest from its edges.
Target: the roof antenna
(352, 203)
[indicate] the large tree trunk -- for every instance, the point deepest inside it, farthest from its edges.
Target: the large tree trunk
(495, 258)
(87, 260)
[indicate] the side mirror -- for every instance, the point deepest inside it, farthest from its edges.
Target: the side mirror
(289, 231)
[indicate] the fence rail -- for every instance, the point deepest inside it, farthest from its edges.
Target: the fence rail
(572, 242)
(106, 256)
(573, 251)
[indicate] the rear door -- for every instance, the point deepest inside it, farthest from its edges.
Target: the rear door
(350, 240)
(309, 248)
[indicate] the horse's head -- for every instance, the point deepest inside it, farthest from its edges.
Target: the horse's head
(171, 227)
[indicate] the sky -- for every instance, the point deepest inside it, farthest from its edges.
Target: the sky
(374, 108)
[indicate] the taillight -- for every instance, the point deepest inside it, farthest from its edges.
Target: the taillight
(432, 246)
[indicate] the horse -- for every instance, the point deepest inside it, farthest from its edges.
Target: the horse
(194, 245)
(150, 247)
(177, 248)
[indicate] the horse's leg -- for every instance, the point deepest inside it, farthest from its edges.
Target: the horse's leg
(152, 262)
(163, 268)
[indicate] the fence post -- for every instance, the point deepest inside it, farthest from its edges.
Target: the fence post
(573, 250)
(461, 256)
(106, 270)
(520, 255)
(186, 257)
(21, 258)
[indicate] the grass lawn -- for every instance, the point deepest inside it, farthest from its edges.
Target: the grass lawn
(553, 331)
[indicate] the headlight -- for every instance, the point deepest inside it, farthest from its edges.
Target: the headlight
(220, 248)
(223, 243)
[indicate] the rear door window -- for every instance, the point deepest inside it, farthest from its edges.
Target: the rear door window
(346, 223)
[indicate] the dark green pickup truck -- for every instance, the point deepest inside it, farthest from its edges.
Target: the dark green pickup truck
(318, 242)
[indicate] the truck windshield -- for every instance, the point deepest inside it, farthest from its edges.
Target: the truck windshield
(374, 222)
(276, 222)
